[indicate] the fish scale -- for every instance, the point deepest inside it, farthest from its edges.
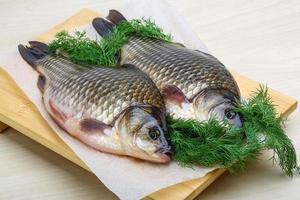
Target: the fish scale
(82, 90)
(168, 63)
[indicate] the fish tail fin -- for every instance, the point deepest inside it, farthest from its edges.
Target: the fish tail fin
(115, 17)
(36, 50)
(105, 26)
(102, 26)
(40, 46)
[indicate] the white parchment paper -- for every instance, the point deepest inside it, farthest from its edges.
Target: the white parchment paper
(127, 178)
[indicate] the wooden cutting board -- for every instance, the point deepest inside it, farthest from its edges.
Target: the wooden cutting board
(19, 113)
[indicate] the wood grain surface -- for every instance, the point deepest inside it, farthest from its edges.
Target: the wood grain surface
(265, 73)
(3, 127)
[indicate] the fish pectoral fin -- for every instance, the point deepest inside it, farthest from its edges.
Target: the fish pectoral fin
(95, 134)
(173, 95)
(90, 125)
(41, 83)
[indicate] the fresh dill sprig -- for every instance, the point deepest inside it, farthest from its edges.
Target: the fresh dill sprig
(82, 50)
(79, 48)
(213, 143)
(210, 144)
(261, 118)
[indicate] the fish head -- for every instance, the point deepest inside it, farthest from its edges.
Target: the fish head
(218, 104)
(143, 134)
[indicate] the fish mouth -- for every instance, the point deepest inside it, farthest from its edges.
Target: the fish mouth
(163, 158)
(164, 155)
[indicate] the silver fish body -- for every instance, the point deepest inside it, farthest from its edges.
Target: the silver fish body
(195, 85)
(119, 111)
(171, 64)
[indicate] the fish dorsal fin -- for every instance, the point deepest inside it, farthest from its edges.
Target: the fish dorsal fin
(102, 26)
(115, 16)
(135, 69)
(173, 95)
(179, 44)
(129, 66)
(206, 54)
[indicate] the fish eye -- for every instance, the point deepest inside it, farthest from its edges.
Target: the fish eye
(154, 133)
(230, 114)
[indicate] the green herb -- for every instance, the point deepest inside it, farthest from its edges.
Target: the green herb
(219, 144)
(83, 50)
(208, 143)
(262, 120)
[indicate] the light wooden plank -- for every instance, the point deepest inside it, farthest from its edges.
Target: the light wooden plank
(18, 112)
(3, 127)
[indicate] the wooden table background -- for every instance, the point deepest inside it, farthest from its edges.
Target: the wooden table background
(258, 38)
